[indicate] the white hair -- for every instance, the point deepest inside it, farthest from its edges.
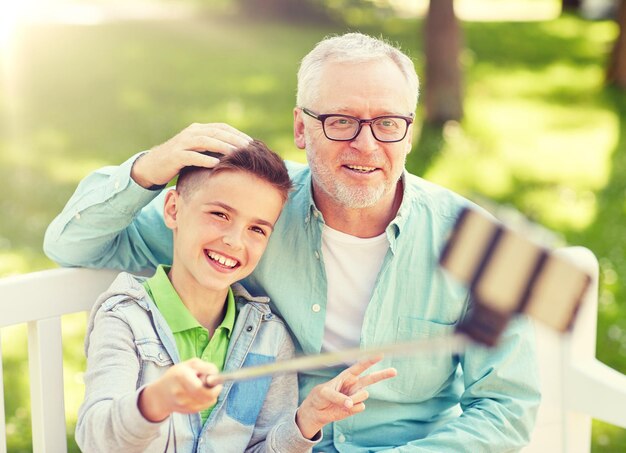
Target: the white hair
(350, 48)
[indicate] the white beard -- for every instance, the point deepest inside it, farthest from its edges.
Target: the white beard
(345, 195)
(351, 197)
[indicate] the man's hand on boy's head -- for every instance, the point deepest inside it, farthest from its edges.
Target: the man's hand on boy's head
(339, 398)
(163, 162)
(181, 389)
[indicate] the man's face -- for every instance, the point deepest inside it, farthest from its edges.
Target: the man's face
(362, 172)
(221, 229)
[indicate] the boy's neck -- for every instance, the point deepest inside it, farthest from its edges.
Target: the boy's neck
(207, 306)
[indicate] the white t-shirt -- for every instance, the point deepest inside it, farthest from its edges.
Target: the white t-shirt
(352, 266)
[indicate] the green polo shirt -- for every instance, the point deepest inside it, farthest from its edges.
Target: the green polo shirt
(192, 340)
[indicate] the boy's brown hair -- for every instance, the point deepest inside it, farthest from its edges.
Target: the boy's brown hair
(255, 158)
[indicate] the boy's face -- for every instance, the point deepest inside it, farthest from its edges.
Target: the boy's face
(221, 228)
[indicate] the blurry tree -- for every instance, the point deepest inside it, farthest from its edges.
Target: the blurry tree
(316, 11)
(443, 97)
(570, 5)
(616, 71)
(298, 11)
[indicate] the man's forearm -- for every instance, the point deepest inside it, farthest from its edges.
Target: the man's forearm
(98, 227)
(476, 430)
(500, 400)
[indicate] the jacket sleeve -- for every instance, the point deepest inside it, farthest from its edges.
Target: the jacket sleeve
(276, 429)
(109, 419)
(500, 400)
(110, 221)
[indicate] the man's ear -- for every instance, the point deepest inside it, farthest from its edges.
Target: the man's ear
(409, 142)
(170, 209)
(298, 128)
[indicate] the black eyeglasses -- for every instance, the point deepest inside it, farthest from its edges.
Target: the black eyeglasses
(343, 128)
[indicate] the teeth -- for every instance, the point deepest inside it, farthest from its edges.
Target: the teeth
(222, 259)
(360, 168)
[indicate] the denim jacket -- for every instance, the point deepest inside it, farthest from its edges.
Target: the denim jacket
(129, 344)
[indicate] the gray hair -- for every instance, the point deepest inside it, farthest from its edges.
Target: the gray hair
(350, 48)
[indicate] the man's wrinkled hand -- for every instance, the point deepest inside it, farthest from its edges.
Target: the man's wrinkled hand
(163, 162)
(340, 397)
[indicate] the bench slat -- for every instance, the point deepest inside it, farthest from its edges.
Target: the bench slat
(3, 422)
(49, 294)
(45, 355)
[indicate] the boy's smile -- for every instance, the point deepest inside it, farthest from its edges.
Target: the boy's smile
(221, 229)
(221, 261)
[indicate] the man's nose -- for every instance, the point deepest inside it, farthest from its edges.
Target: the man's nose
(365, 140)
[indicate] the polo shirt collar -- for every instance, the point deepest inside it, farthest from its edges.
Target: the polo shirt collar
(176, 314)
(228, 323)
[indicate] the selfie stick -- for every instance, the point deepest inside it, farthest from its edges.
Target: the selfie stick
(507, 274)
(455, 343)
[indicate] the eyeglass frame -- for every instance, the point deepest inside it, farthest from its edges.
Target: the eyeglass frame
(322, 118)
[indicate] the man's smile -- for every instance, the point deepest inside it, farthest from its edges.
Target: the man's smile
(361, 168)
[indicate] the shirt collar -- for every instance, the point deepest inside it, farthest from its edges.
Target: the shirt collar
(228, 323)
(396, 225)
(176, 314)
(310, 210)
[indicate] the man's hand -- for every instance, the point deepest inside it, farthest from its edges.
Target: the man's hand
(181, 389)
(159, 165)
(338, 398)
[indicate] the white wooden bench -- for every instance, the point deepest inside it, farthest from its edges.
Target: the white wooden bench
(40, 299)
(576, 386)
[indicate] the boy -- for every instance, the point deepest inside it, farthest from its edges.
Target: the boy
(145, 380)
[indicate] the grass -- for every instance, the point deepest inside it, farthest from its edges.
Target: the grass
(541, 133)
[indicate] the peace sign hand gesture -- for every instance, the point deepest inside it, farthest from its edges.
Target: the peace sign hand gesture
(339, 398)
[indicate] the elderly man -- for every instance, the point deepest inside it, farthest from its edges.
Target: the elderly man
(352, 261)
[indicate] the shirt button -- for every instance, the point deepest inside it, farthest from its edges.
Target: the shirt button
(117, 184)
(316, 308)
(341, 438)
(316, 214)
(77, 216)
(317, 255)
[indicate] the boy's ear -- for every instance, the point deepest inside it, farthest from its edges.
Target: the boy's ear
(170, 209)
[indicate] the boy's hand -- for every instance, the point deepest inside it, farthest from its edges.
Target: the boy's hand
(338, 398)
(159, 165)
(180, 389)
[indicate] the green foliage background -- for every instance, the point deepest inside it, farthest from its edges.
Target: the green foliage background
(541, 134)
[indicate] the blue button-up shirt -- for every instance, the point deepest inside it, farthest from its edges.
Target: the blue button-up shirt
(479, 401)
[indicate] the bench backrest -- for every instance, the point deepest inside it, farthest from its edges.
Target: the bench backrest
(40, 299)
(575, 385)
